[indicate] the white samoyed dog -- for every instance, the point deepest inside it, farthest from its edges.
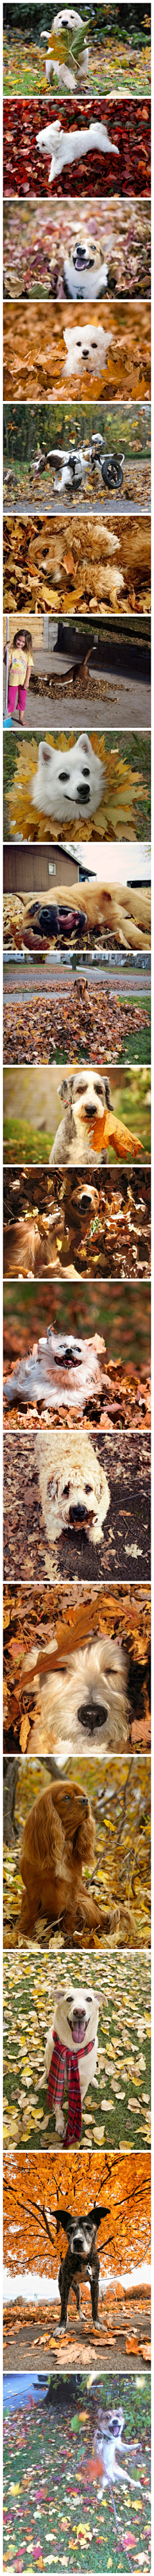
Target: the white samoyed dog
(66, 148)
(68, 782)
(75, 2020)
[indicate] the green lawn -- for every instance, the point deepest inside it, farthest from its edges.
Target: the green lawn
(53, 2514)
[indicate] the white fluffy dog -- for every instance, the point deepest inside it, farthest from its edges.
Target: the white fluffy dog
(85, 274)
(66, 148)
(75, 2020)
(68, 782)
(73, 1486)
(67, 23)
(87, 348)
(84, 1706)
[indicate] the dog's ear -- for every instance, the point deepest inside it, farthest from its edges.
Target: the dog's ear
(85, 743)
(65, 1088)
(107, 1095)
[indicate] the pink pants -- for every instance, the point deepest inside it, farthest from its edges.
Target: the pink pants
(21, 699)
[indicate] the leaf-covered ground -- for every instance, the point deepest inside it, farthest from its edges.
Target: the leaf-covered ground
(35, 363)
(55, 1621)
(53, 2515)
(122, 2099)
(121, 1874)
(125, 1540)
(97, 1020)
(35, 244)
(127, 125)
(124, 810)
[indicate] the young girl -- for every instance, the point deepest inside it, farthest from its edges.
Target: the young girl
(20, 662)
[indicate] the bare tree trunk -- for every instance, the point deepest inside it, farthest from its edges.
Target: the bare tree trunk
(11, 1776)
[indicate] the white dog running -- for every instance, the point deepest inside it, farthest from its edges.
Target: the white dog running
(66, 148)
(68, 783)
(75, 2020)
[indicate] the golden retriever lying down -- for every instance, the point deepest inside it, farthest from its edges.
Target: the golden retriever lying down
(59, 1837)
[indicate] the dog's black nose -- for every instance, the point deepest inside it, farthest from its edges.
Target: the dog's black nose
(91, 1716)
(84, 792)
(77, 1512)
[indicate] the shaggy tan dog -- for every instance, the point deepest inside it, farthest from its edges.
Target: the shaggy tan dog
(73, 1486)
(59, 1836)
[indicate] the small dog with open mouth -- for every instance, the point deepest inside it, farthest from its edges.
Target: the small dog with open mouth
(82, 2262)
(85, 1096)
(74, 2029)
(68, 782)
(66, 148)
(85, 273)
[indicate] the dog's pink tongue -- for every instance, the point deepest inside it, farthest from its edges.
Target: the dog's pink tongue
(78, 2027)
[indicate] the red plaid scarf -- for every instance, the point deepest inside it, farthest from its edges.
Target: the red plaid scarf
(63, 2058)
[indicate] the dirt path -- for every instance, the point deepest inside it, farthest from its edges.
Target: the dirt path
(38, 2344)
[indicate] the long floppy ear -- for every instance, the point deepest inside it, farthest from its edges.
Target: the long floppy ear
(108, 1095)
(65, 1089)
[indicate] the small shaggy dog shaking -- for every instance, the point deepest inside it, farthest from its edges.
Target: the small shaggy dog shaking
(66, 148)
(59, 1836)
(75, 1495)
(84, 1706)
(86, 1096)
(81, 2263)
(68, 782)
(74, 2028)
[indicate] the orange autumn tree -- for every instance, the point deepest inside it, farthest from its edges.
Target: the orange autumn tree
(37, 2187)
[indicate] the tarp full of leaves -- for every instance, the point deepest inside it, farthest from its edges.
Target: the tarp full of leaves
(127, 125)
